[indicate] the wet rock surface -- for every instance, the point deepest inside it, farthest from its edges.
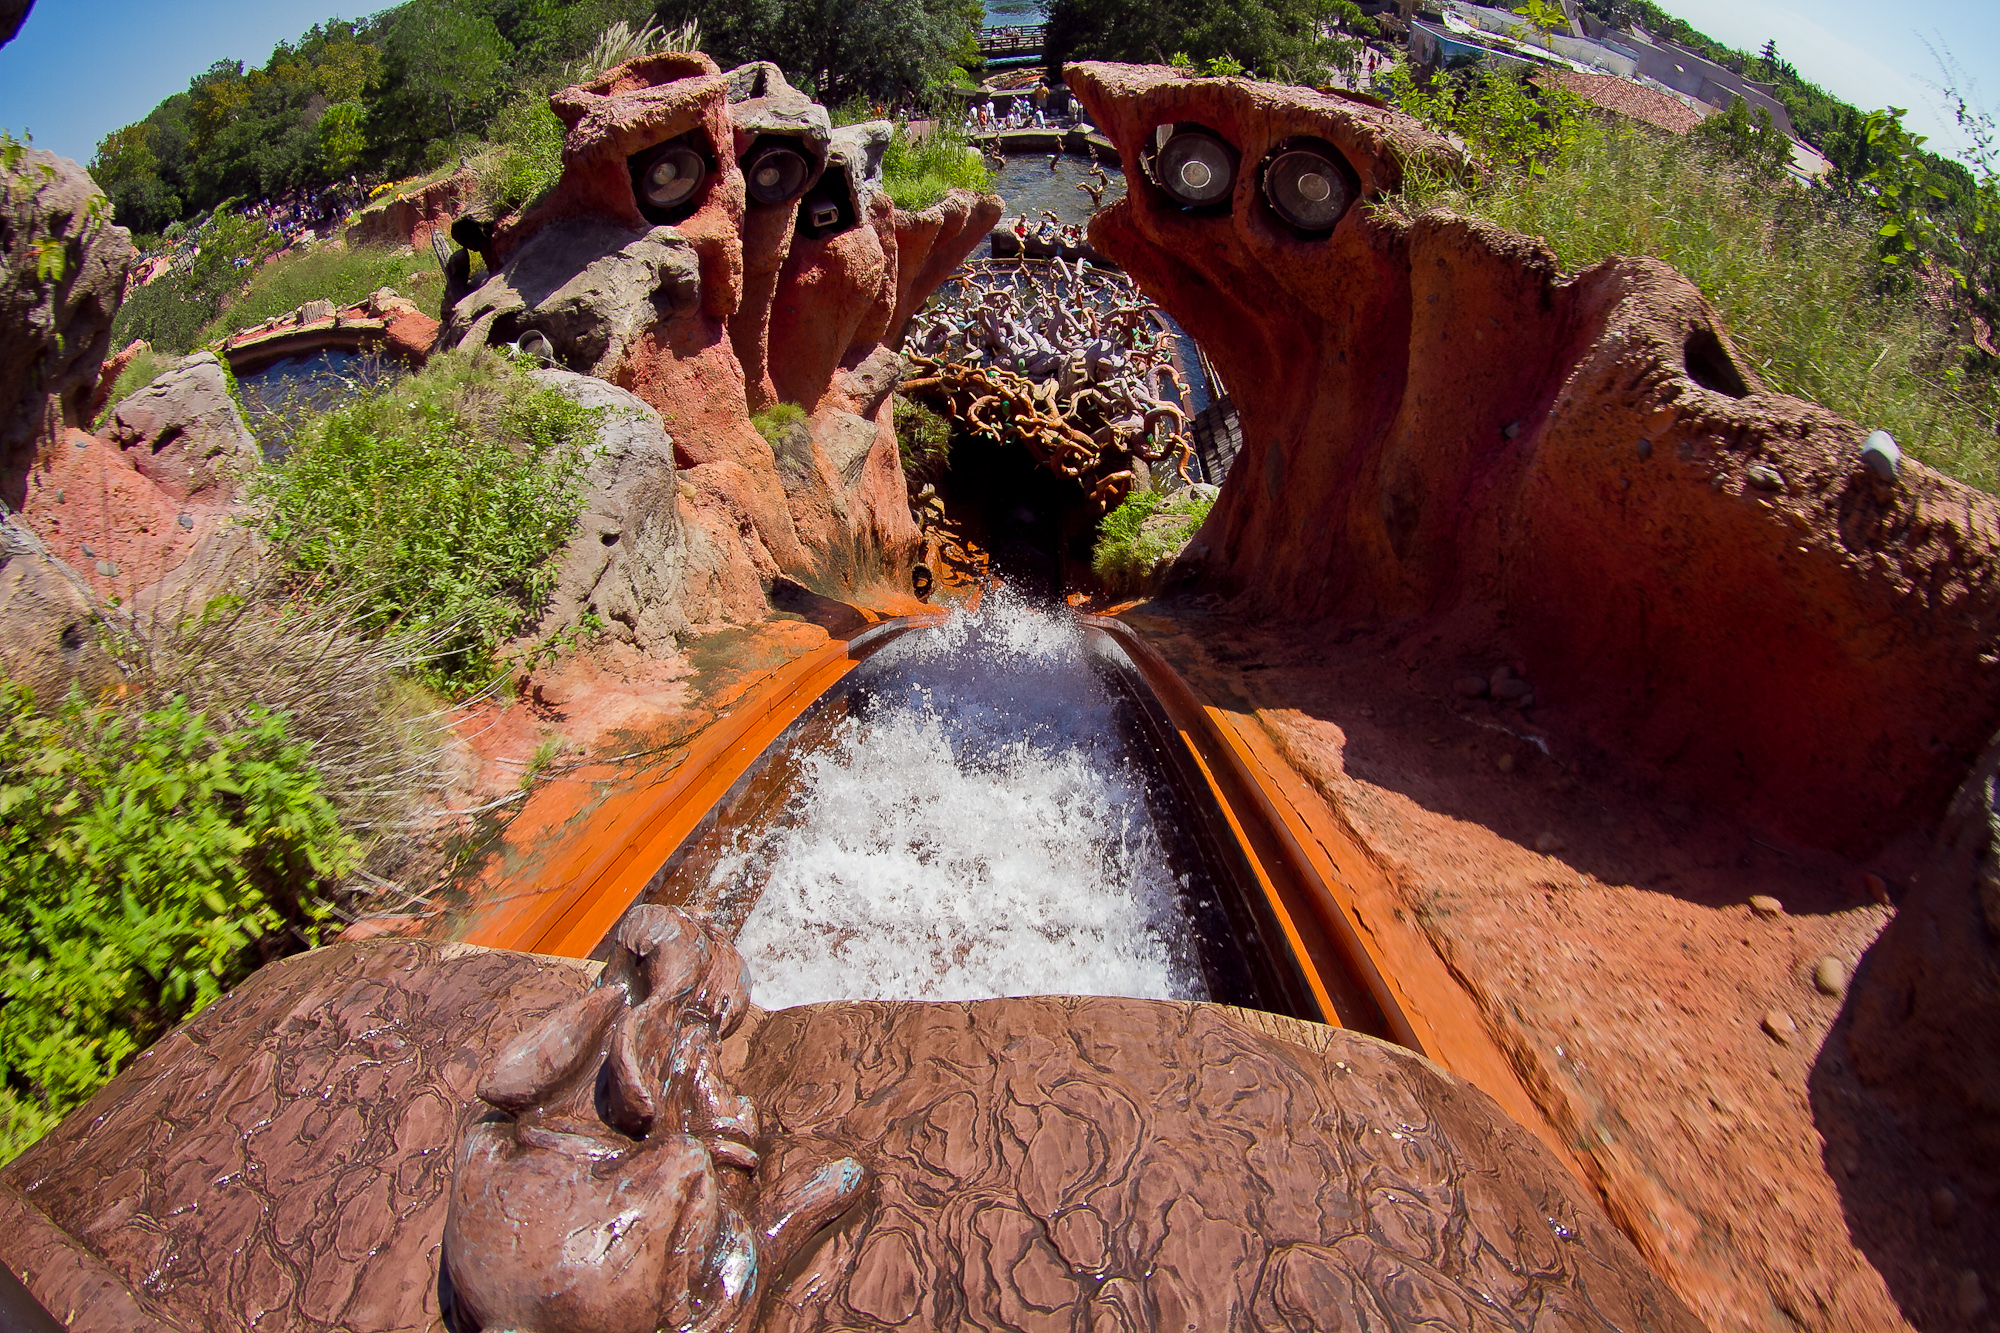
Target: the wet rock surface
(1044, 1161)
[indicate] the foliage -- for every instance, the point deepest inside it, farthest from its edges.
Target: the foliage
(148, 860)
(1509, 123)
(436, 503)
(1288, 37)
(778, 421)
(881, 50)
(527, 157)
(449, 58)
(140, 371)
(1149, 527)
(1755, 141)
(21, 184)
(923, 438)
(172, 312)
(1792, 273)
(917, 173)
(342, 275)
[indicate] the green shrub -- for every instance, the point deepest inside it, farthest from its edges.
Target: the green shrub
(775, 422)
(919, 173)
(167, 312)
(923, 437)
(1149, 527)
(324, 273)
(148, 861)
(1797, 283)
(527, 152)
(436, 503)
(142, 370)
(1509, 124)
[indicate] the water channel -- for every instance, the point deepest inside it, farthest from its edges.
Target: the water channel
(981, 809)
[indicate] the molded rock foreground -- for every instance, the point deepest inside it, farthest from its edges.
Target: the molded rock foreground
(1035, 1163)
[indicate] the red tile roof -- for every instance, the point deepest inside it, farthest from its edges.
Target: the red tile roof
(1626, 98)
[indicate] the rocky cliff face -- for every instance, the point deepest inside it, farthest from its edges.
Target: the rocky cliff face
(733, 297)
(1443, 432)
(62, 274)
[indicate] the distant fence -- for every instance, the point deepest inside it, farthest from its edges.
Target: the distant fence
(1000, 43)
(1218, 435)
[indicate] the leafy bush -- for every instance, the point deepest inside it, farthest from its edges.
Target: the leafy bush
(1149, 527)
(149, 861)
(1796, 281)
(172, 313)
(1509, 124)
(917, 173)
(325, 273)
(436, 504)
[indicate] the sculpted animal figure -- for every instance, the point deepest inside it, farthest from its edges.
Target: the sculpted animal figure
(618, 1184)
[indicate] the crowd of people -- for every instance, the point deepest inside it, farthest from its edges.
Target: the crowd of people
(297, 212)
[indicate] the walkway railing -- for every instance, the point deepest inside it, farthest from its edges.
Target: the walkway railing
(999, 43)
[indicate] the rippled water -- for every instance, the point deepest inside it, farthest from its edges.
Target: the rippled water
(977, 825)
(1029, 185)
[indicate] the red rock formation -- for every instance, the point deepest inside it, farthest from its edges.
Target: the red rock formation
(1443, 433)
(730, 304)
(410, 219)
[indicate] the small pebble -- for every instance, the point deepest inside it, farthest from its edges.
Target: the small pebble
(1548, 844)
(1779, 1025)
(185, 520)
(1645, 449)
(1510, 430)
(1878, 888)
(1525, 701)
(1764, 905)
(1764, 478)
(1944, 1206)
(1830, 975)
(83, 444)
(1506, 763)
(106, 568)
(1971, 1297)
(1365, 711)
(1470, 687)
(1512, 689)
(62, 496)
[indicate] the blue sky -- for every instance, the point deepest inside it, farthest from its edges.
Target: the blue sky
(81, 68)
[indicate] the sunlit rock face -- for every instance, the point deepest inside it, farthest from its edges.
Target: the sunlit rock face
(1444, 434)
(716, 247)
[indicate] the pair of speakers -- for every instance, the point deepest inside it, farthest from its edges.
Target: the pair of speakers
(667, 177)
(1306, 181)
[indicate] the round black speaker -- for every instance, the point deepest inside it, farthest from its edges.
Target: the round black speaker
(776, 174)
(1307, 188)
(1197, 168)
(669, 176)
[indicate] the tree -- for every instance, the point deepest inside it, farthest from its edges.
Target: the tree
(451, 57)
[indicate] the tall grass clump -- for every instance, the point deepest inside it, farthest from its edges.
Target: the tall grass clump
(436, 504)
(1793, 275)
(333, 273)
(919, 172)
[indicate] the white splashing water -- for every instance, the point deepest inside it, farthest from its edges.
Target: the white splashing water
(978, 829)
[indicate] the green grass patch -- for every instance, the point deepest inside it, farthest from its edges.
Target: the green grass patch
(438, 503)
(777, 421)
(149, 861)
(1796, 281)
(918, 173)
(140, 371)
(328, 273)
(1134, 538)
(526, 157)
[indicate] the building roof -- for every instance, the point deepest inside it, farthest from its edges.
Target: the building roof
(1626, 98)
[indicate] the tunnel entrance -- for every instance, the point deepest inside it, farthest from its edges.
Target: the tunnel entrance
(1037, 529)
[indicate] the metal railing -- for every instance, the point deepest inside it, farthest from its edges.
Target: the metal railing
(1019, 41)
